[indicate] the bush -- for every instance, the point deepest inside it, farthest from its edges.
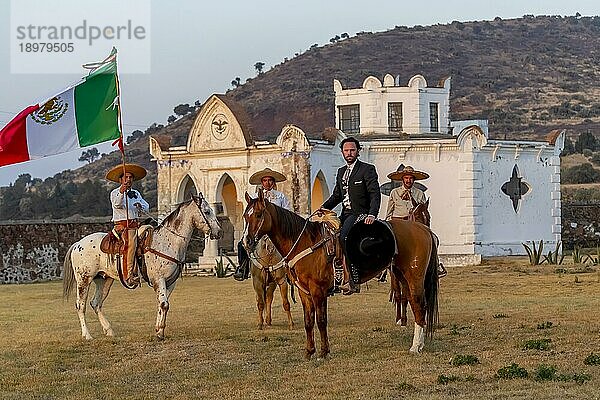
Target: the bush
(545, 373)
(584, 173)
(592, 359)
(512, 371)
(462, 359)
(545, 325)
(537, 344)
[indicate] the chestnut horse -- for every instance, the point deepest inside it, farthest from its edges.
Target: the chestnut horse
(267, 274)
(311, 269)
(419, 213)
(312, 274)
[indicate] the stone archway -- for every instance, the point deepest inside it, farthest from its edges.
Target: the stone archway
(228, 212)
(319, 192)
(196, 247)
(187, 188)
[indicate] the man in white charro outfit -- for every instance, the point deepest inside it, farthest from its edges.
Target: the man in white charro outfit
(267, 179)
(405, 198)
(127, 204)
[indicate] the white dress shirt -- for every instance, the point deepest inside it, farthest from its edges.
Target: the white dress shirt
(117, 200)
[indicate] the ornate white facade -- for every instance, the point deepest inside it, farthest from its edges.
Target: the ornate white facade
(486, 196)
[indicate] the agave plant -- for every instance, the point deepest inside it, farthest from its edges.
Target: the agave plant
(594, 259)
(577, 256)
(535, 254)
(555, 257)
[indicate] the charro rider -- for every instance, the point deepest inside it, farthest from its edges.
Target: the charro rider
(405, 198)
(357, 188)
(267, 179)
(127, 204)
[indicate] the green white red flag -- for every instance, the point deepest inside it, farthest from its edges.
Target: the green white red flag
(81, 115)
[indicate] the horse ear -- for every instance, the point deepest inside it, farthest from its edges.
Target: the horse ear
(261, 196)
(248, 198)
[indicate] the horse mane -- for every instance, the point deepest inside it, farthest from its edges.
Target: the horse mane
(291, 224)
(173, 215)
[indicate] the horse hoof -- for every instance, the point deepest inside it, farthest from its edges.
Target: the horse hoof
(323, 356)
(415, 350)
(88, 337)
(308, 354)
(110, 333)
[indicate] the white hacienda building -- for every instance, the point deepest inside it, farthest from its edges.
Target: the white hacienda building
(486, 196)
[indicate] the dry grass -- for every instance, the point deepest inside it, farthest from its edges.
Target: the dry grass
(213, 350)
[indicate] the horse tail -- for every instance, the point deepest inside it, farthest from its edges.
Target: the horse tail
(431, 289)
(68, 273)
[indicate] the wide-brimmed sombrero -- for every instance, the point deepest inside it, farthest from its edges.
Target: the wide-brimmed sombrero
(115, 174)
(256, 177)
(408, 170)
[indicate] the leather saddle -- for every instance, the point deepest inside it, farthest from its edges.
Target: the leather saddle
(112, 243)
(330, 225)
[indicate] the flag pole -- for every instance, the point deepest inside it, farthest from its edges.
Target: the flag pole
(120, 139)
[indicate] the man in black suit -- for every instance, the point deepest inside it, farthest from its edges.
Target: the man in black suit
(357, 188)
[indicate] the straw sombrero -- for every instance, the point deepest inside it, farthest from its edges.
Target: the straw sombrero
(408, 170)
(115, 174)
(256, 177)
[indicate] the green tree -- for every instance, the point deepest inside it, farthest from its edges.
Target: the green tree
(135, 135)
(569, 147)
(183, 109)
(258, 66)
(586, 140)
(89, 155)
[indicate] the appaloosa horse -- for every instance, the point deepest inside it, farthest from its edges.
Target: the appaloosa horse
(268, 273)
(311, 268)
(85, 262)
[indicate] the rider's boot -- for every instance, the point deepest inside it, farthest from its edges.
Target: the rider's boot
(243, 269)
(132, 280)
(353, 284)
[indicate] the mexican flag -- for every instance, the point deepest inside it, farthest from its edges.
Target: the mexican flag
(81, 115)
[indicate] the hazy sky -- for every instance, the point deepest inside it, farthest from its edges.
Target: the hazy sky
(198, 47)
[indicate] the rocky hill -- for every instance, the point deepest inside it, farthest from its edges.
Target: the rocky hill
(527, 76)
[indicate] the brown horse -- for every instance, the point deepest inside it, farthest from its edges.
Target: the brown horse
(313, 273)
(311, 268)
(419, 213)
(266, 276)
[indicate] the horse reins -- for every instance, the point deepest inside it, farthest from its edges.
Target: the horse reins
(291, 263)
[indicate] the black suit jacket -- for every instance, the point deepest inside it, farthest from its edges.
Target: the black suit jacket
(363, 190)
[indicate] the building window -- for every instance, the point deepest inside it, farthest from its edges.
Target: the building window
(395, 117)
(350, 118)
(433, 117)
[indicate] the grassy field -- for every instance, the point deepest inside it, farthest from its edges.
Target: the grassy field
(491, 316)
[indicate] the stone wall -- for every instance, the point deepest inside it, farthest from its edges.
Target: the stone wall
(34, 251)
(580, 225)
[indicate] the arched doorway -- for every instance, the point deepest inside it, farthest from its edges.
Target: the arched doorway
(319, 192)
(187, 188)
(228, 212)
